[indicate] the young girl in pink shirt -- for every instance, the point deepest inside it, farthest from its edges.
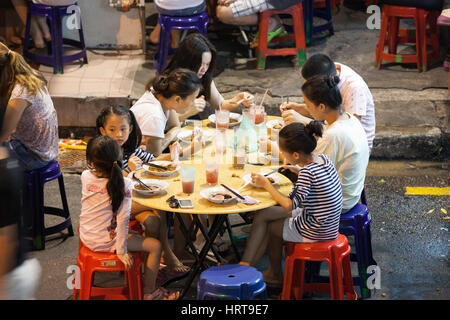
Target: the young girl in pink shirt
(105, 213)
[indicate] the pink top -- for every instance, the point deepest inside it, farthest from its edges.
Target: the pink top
(38, 127)
(96, 215)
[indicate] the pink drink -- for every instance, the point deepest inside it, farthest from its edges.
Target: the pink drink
(259, 117)
(188, 186)
(222, 125)
(212, 176)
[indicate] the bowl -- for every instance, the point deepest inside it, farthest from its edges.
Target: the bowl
(159, 186)
(158, 172)
(185, 136)
(276, 178)
(210, 192)
(235, 119)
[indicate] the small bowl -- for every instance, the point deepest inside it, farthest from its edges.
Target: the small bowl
(206, 193)
(154, 171)
(234, 116)
(163, 185)
(274, 176)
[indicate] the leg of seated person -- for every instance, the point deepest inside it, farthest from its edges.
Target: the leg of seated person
(153, 248)
(254, 250)
(225, 15)
(274, 274)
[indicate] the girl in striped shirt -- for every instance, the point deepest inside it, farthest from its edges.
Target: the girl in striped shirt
(119, 123)
(312, 210)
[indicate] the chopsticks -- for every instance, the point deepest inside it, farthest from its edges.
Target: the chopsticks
(271, 172)
(155, 165)
(233, 192)
(128, 170)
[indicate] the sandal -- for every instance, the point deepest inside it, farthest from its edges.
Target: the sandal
(158, 294)
(278, 33)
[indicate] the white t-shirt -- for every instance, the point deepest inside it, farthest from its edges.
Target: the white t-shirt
(345, 143)
(96, 214)
(150, 115)
(357, 99)
(178, 4)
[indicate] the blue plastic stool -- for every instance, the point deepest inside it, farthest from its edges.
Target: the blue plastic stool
(35, 180)
(356, 223)
(309, 12)
(168, 23)
(231, 281)
(56, 57)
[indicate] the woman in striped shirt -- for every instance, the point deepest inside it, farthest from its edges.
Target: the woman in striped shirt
(312, 210)
(119, 123)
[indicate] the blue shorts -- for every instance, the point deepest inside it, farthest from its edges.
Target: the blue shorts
(182, 12)
(27, 158)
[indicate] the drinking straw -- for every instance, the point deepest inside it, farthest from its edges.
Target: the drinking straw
(264, 96)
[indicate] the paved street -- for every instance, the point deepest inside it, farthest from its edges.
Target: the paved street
(410, 245)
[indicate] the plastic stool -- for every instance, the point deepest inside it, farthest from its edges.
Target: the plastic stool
(391, 35)
(336, 253)
(168, 23)
(311, 10)
(35, 180)
(90, 262)
(296, 12)
(231, 281)
(56, 58)
(356, 223)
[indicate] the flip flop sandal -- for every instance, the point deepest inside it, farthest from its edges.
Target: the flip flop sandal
(278, 33)
(158, 294)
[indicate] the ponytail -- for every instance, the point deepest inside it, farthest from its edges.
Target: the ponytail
(116, 186)
(105, 154)
(296, 137)
(325, 90)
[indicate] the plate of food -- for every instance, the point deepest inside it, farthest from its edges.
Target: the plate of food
(155, 187)
(276, 125)
(273, 178)
(217, 195)
(235, 119)
(267, 157)
(167, 169)
(187, 136)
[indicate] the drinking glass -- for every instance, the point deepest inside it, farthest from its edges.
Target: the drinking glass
(222, 119)
(212, 171)
(188, 179)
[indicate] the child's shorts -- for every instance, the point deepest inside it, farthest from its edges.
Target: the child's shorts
(290, 232)
(241, 8)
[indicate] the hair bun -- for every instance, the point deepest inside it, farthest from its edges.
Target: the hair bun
(314, 129)
(332, 81)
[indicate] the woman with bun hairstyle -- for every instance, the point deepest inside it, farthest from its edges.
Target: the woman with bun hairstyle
(156, 111)
(344, 140)
(309, 213)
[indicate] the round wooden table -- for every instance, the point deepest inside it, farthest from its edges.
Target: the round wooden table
(229, 176)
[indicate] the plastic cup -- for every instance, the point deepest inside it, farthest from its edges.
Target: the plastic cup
(222, 119)
(239, 158)
(188, 179)
(221, 142)
(212, 171)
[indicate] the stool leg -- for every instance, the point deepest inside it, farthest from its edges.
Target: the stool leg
(299, 279)
(348, 280)
(164, 40)
(262, 40)
(86, 283)
(421, 41)
(288, 278)
(62, 192)
(381, 40)
(336, 285)
(83, 44)
(393, 34)
(299, 32)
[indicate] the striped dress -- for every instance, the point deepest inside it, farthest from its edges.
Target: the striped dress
(145, 156)
(317, 200)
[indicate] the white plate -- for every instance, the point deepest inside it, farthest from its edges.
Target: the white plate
(274, 176)
(185, 136)
(271, 123)
(267, 158)
(233, 115)
(153, 171)
(206, 193)
(151, 182)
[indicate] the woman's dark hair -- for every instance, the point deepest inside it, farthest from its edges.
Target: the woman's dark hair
(296, 137)
(323, 89)
(135, 137)
(318, 65)
(180, 82)
(189, 56)
(106, 156)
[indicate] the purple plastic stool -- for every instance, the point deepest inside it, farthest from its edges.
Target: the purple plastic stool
(56, 57)
(168, 23)
(35, 180)
(309, 12)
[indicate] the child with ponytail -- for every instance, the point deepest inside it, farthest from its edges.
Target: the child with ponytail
(312, 210)
(105, 213)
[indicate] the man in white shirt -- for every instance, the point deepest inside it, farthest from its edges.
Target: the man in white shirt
(356, 97)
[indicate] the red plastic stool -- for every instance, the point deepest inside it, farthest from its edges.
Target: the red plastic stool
(263, 51)
(89, 262)
(391, 35)
(336, 253)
